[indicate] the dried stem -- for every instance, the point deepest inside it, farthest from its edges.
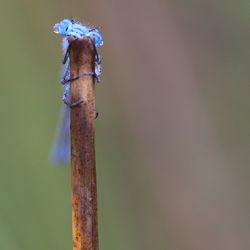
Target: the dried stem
(84, 196)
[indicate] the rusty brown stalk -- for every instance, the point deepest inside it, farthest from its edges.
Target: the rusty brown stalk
(84, 194)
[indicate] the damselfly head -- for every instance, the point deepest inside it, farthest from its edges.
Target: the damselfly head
(63, 28)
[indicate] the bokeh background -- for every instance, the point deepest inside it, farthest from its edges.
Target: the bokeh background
(172, 137)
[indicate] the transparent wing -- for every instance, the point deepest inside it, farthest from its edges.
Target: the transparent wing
(60, 152)
(65, 77)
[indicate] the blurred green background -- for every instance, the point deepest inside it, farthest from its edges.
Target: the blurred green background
(172, 138)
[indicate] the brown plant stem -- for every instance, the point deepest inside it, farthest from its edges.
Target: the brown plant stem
(84, 194)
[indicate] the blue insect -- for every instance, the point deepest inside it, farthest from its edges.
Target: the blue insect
(70, 28)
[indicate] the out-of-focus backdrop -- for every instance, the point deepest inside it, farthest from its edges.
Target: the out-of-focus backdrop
(172, 137)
